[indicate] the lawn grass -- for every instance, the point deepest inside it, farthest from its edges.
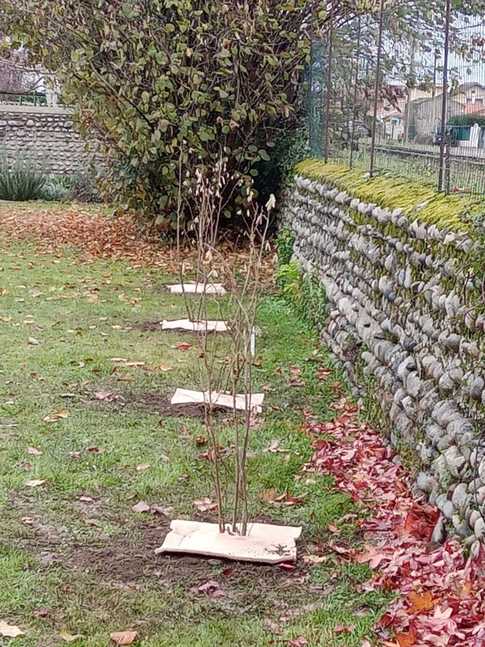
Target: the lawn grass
(88, 566)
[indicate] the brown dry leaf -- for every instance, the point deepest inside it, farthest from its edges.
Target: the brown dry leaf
(301, 641)
(183, 346)
(68, 637)
(200, 441)
(315, 559)
(10, 631)
(295, 377)
(95, 450)
(141, 507)
(407, 638)
(86, 499)
(33, 451)
(124, 637)
(268, 495)
(205, 505)
(421, 601)
(285, 499)
(56, 416)
(35, 483)
(323, 373)
(343, 629)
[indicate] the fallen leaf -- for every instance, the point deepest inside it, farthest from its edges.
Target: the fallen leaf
(270, 496)
(35, 483)
(143, 467)
(33, 341)
(86, 499)
(105, 396)
(95, 450)
(406, 638)
(343, 629)
(124, 637)
(200, 441)
(286, 566)
(301, 641)
(58, 415)
(205, 505)
(33, 451)
(323, 373)
(141, 507)
(420, 601)
(315, 559)
(157, 509)
(67, 637)
(183, 346)
(10, 631)
(211, 588)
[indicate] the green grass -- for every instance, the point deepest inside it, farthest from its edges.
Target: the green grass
(90, 568)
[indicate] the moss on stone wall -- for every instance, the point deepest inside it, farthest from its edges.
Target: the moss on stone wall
(454, 212)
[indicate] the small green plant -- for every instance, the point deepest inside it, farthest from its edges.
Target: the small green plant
(57, 189)
(20, 181)
(303, 291)
(284, 246)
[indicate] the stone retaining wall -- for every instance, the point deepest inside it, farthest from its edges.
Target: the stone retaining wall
(44, 136)
(404, 316)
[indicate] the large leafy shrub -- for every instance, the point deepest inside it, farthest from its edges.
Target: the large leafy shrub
(173, 85)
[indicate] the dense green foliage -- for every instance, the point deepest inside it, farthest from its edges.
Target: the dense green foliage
(468, 120)
(303, 291)
(170, 86)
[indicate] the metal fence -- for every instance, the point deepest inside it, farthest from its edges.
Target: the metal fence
(23, 98)
(407, 106)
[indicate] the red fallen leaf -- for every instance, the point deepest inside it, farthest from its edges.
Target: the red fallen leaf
(343, 629)
(212, 589)
(407, 638)
(420, 601)
(301, 641)
(421, 520)
(323, 373)
(287, 567)
(183, 346)
(124, 637)
(95, 450)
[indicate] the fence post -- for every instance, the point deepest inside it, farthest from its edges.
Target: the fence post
(354, 99)
(328, 96)
(376, 90)
(444, 100)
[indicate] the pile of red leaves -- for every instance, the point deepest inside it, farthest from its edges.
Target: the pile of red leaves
(89, 229)
(441, 594)
(97, 235)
